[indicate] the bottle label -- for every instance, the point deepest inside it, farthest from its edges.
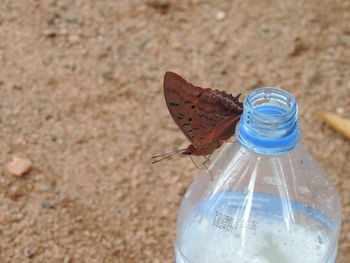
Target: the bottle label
(225, 206)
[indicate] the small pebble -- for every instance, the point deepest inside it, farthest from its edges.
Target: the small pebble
(102, 54)
(73, 39)
(176, 46)
(47, 205)
(73, 19)
(63, 31)
(19, 166)
(28, 253)
(340, 110)
(161, 5)
(45, 188)
(265, 29)
(158, 3)
(50, 33)
(17, 86)
(66, 259)
(53, 19)
(220, 15)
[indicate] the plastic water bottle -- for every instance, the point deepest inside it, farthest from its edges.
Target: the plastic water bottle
(264, 198)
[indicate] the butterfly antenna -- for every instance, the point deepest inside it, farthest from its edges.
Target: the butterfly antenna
(166, 155)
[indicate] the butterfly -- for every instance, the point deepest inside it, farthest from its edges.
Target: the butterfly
(207, 117)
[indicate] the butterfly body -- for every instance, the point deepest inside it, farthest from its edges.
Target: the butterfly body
(207, 117)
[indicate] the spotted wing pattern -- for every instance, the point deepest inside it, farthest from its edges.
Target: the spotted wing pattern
(205, 116)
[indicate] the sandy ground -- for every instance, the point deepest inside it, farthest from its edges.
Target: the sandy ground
(81, 97)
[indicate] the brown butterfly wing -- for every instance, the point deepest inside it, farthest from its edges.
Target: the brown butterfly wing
(205, 116)
(223, 112)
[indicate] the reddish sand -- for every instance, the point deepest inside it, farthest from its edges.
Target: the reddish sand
(81, 97)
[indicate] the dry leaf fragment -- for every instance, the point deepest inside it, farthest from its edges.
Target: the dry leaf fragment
(19, 166)
(336, 122)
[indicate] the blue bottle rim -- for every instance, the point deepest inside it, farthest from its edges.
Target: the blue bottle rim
(270, 127)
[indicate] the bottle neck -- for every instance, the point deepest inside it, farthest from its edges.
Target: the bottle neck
(269, 123)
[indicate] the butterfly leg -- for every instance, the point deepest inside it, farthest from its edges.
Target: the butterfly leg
(211, 173)
(207, 158)
(206, 167)
(194, 162)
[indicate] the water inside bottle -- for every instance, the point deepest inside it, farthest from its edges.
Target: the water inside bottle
(265, 241)
(221, 231)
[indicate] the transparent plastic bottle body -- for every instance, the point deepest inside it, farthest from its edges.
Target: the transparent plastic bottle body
(252, 207)
(253, 204)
